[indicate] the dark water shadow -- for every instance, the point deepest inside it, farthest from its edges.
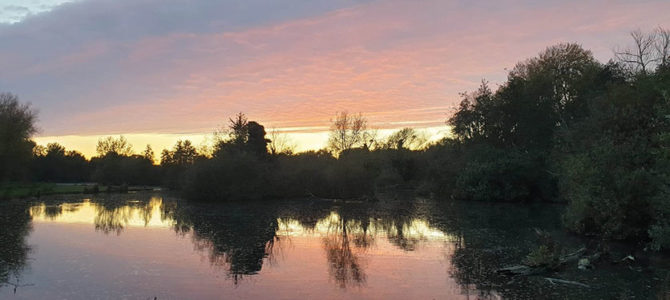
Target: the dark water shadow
(15, 226)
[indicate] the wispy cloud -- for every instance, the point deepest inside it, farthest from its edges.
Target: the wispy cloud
(14, 11)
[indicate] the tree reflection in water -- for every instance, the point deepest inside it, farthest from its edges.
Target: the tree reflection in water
(344, 264)
(235, 237)
(349, 230)
(110, 212)
(241, 237)
(14, 228)
(112, 215)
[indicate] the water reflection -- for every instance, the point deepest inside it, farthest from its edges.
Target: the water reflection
(14, 251)
(238, 241)
(109, 214)
(357, 245)
(240, 238)
(345, 264)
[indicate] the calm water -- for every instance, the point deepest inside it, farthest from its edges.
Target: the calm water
(146, 246)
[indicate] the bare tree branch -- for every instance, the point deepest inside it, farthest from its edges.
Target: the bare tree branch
(649, 50)
(662, 45)
(347, 132)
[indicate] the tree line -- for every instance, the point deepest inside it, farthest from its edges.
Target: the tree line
(563, 127)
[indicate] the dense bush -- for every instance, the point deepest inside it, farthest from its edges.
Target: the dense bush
(242, 176)
(492, 174)
(246, 176)
(565, 127)
(614, 165)
(115, 169)
(55, 164)
(304, 174)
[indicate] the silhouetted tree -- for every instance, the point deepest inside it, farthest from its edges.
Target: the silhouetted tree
(56, 164)
(118, 146)
(347, 132)
(473, 118)
(16, 127)
(279, 143)
(239, 131)
(175, 162)
(183, 153)
(243, 136)
(256, 141)
(148, 153)
(116, 164)
(406, 138)
(662, 46)
(648, 50)
(510, 133)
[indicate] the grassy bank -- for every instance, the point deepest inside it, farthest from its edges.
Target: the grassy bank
(25, 190)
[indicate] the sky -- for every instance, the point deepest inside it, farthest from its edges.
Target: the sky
(159, 70)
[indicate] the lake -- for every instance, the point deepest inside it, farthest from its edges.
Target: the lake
(156, 246)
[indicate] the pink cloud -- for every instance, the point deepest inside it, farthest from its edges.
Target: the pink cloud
(397, 62)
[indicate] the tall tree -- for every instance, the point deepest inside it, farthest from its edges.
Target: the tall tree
(148, 153)
(182, 154)
(17, 125)
(239, 131)
(242, 136)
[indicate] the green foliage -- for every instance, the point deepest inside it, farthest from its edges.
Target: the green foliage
(614, 165)
(24, 190)
(508, 135)
(540, 256)
(492, 174)
(547, 253)
(607, 195)
(565, 127)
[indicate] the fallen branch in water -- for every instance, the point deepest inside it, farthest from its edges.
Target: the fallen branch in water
(556, 280)
(524, 270)
(17, 285)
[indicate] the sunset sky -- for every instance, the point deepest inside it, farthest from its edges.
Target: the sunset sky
(159, 70)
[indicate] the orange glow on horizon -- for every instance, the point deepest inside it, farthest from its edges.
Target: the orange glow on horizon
(303, 138)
